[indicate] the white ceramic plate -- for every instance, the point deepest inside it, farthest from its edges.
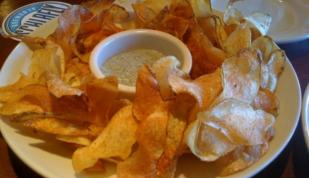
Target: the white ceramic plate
(305, 116)
(290, 18)
(52, 159)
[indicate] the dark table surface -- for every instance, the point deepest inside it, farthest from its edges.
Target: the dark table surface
(292, 162)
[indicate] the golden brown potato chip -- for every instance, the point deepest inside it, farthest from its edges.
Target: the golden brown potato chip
(266, 45)
(49, 59)
(101, 94)
(240, 158)
(230, 123)
(61, 127)
(174, 25)
(206, 142)
(213, 28)
(181, 8)
(115, 141)
(273, 61)
(58, 87)
(77, 74)
(96, 7)
(205, 57)
(237, 40)
(174, 136)
(138, 165)
(19, 107)
(163, 68)
(241, 76)
(201, 8)
(69, 25)
(271, 70)
(204, 89)
(147, 98)
(151, 133)
(77, 140)
(267, 101)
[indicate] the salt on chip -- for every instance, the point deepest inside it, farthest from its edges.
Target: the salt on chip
(230, 123)
(241, 76)
(115, 141)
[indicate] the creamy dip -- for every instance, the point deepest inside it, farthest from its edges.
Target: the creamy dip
(126, 65)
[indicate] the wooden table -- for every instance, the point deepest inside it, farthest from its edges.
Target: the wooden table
(292, 162)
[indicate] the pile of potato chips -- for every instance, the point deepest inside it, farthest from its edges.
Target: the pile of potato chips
(222, 112)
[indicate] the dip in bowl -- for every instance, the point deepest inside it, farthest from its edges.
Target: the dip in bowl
(122, 54)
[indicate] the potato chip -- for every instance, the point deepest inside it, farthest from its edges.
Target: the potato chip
(213, 28)
(229, 124)
(181, 8)
(205, 57)
(240, 158)
(267, 101)
(162, 69)
(101, 94)
(115, 141)
(147, 98)
(49, 59)
(61, 127)
(241, 76)
(8, 93)
(59, 88)
(206, 142)
(19, 107)
(77, 74)
(77, 140)
(201, 8)
(273, 61)
(260, 21)
(237, 40)
(174, 136)
(174, 25)
(271, 71)
(96, 7)
(69, 25)
(266, 45)
(138, 165)
(204, 89)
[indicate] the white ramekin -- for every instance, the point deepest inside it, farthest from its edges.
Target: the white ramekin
(135, 39)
